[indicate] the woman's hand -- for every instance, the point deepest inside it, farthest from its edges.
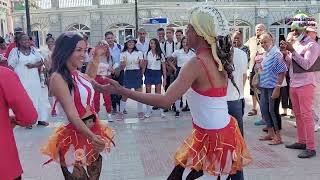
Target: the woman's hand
(275, 93)
(98, 143)
(100, 50)
(113, 87)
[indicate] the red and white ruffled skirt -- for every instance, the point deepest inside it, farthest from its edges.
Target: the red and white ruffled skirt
(69, 147)
(216, 152)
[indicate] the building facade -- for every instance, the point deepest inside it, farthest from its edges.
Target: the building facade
(95, 17)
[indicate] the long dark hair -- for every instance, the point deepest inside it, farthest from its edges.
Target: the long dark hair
(159, 52)
(65, 46)
(225, 53)
(125, 48)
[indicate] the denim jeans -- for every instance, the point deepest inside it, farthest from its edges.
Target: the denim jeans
(270, 109)
(236, 109)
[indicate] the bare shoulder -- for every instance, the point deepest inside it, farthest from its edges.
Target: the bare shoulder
(192, 63)
(56, 79)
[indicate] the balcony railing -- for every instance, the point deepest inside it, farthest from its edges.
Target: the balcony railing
(46, 4)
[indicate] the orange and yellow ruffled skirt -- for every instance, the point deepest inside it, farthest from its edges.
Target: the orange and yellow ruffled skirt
(216, 152)
(69, 148)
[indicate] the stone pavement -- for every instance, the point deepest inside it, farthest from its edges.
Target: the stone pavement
(144, 150)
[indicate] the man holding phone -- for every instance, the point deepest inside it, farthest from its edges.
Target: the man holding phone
(305, 52)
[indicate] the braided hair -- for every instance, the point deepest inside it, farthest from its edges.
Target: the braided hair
(225, 53)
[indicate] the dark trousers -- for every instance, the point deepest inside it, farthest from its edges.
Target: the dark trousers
(115, 98)
(236, 109)
(270, 109)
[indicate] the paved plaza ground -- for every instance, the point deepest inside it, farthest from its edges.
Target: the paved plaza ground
(144, 150)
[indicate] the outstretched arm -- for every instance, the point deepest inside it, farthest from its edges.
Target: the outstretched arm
(183, 82)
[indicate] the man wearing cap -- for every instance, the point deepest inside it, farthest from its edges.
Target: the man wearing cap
(305, 52)
(142, 42)
(17, 31)
(312, 33)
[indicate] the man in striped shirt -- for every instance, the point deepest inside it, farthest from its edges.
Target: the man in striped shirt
(273, 70)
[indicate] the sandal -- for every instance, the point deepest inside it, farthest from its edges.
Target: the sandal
(43, 123)
(275, 141)
(266, 138)
(253, 112)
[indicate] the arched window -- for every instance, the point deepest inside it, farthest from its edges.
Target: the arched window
(121, 31)
(280, 30)
(242, 26)
(80, 28)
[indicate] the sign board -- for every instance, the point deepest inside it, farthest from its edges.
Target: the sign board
(155, 21)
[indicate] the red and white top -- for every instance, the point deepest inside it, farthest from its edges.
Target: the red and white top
(209, 108)
(82, 94)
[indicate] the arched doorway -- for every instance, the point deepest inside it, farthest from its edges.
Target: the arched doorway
(39, 34)
(242, 26)
(121, 31)
(80, 28)
(280, 30)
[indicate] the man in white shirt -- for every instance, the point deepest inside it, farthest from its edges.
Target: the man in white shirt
(142, 42)
(179, 36)
(235, 98)
(115, 51)
(168, 49)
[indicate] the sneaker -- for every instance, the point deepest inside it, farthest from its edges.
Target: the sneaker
(109, 118)
(43, 123)
(120, 116)
(260, 122)
(316, 127)
(141, 115)
(53, 113)
(177, 114)
(296, 146)
(147, 115)
(125, 112)
(307, 154)
(155, 108)
(185, 109)
(163, 115)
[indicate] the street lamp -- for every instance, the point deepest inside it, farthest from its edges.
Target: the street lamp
(26, 5)
(136, 15)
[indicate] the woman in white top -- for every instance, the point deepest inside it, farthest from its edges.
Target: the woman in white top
(105, 70)
(156, 68)
(131, 62)
(215, 146)
(183, 55)
(46, 53)
(25, 61)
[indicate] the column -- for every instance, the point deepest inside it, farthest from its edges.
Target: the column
(97, 29)
(55, 21)
(55, 4)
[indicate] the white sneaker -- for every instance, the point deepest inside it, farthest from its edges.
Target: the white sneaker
(109, 118)
(147, 115)
(316, 127)
(163, 115)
